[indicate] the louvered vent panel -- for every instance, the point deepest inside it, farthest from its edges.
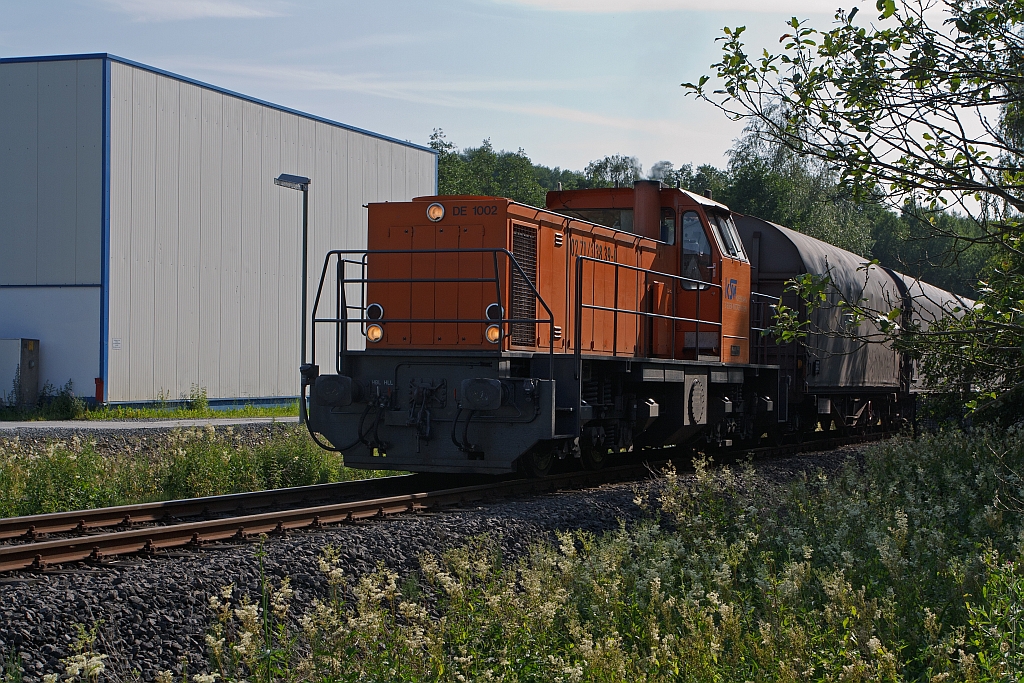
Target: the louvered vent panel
(524, 303)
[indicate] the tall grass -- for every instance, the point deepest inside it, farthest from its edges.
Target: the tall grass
(63, 404)
(75, 474)
(904, 566)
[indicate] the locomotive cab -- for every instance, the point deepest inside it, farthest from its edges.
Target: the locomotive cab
(701, 243)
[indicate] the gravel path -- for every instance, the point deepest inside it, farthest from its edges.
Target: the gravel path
(36, 427)
(153, 612)
(139, 440)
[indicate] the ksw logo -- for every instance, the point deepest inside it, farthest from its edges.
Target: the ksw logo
(730, 290)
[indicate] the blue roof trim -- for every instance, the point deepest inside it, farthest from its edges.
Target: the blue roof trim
(225, 91)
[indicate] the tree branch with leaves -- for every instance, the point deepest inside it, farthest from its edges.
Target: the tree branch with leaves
(919, 109)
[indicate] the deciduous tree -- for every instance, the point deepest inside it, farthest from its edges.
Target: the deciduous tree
(918, 108)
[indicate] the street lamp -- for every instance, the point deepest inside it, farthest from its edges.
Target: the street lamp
(297, 182)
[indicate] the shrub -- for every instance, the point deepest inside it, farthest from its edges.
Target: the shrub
(63, 405)
(196, 400)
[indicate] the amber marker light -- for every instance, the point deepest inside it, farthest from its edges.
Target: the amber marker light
(435, 212)
(374, 333)
(493, 334)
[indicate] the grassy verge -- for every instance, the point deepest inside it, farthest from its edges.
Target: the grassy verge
(906, 566)
(63, 404)
(186, 412)
(79, 410)
(75, 474)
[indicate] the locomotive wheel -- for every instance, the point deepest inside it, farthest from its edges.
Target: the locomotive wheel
(538, 461)
(593, 458)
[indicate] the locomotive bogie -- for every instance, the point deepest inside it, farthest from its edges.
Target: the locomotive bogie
(422, 412)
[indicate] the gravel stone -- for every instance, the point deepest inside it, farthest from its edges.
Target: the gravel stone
(138, 440)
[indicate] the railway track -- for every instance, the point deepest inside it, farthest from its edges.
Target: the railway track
(27, 543)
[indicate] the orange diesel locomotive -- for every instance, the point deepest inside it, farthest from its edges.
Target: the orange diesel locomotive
(502, 336)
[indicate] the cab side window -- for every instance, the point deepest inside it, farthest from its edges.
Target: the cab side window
(728, 235)
(696, 260)
(668, 225)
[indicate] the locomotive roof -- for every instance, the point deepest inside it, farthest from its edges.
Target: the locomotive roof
(704, 201)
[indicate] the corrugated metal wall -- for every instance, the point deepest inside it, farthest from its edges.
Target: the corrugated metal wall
(205, 248)
(51, 177)
(51, 190)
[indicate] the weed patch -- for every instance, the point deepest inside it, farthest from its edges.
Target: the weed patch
(904, 566)
(74, 475)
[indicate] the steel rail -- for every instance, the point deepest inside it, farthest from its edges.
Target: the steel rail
(101, 546)
(31, 527)
(39, 554)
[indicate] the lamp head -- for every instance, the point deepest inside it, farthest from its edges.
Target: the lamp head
(294, 182)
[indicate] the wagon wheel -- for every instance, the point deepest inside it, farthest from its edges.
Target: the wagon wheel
(537, 462)
(594, 458)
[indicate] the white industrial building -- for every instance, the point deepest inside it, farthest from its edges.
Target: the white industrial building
(142, 239)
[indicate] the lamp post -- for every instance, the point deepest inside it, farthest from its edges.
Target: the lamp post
(297, 182)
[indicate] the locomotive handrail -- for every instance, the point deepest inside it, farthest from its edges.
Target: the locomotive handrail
(647, 315)
(342, 318)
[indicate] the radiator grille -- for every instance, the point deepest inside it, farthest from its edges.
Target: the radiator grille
(524, 303)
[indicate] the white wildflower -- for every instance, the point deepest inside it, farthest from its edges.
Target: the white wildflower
(245, 646)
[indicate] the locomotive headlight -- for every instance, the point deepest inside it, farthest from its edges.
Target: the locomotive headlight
(495, 312)
(435, 212)
(374, 333)
(374, 311)
(493, 334)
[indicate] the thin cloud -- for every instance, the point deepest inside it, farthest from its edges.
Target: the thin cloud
(750, 6)
(178, 10)
(363, 42)
(437, 93)
(378, 84)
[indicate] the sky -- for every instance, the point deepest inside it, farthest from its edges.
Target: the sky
(568, 81)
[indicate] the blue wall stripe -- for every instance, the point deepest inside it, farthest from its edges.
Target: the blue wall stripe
(105, 250)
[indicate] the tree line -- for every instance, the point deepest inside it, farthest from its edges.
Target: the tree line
(761, 178)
